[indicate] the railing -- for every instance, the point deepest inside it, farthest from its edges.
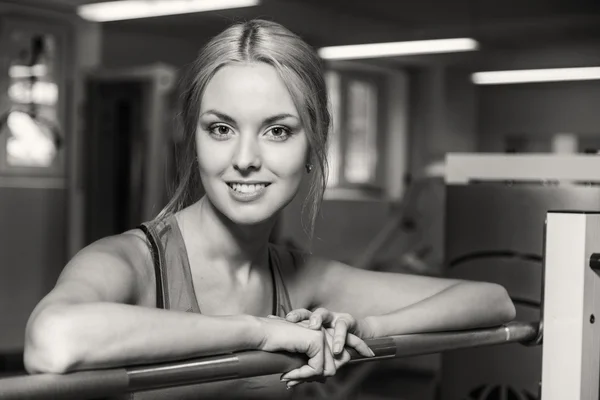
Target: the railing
(110, 382)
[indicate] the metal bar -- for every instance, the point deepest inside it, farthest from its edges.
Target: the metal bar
(571, 350)
(79, 385)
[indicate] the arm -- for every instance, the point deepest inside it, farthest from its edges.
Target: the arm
(393, 304)
(92, 318)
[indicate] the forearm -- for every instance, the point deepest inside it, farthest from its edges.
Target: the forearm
(100, 335)
(467, 305)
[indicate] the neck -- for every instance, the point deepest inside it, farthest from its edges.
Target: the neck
(239, 247)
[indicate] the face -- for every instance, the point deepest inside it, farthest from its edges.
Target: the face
(252, 148)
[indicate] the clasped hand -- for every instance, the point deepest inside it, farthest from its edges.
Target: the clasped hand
(332, 334)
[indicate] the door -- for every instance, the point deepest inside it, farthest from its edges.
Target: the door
(114, 156)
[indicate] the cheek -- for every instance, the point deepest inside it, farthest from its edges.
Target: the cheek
(210, 158)
(288, 161)
(286, 165)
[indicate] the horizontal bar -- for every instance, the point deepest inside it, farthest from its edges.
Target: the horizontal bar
(101, 383)
(462, 168)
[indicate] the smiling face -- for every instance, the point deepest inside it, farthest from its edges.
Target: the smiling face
(252, 148)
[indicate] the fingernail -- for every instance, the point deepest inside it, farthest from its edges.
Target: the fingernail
(337, 348)
(372, 353)
(291, 315)
(283, 378)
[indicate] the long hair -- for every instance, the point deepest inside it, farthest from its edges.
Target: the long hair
(300, 69)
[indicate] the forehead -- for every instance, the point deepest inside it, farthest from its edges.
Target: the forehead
(248, 89)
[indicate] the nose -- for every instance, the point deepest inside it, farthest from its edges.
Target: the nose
(247, 155)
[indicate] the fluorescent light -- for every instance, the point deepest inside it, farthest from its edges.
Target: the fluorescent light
(132, 9)
(391, 49)
(536, 75)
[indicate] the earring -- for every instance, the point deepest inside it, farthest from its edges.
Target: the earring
(309, 168)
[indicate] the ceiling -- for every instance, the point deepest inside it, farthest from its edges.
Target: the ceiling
(505, 24)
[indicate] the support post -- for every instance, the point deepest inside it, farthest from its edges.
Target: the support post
(571, 311)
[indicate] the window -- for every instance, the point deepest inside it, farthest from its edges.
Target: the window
(356, 154)
(32, 104)
(361, 130)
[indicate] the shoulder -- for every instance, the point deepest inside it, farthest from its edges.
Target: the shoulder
(130, 247)
(117, 267)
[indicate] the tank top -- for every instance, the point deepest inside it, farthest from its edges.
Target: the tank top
(175, 291)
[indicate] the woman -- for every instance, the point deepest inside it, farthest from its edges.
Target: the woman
(202, 278)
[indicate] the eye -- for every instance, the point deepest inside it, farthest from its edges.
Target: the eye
(220, 131)
(279, 133)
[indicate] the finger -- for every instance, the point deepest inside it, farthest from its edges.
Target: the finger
(329, 368)
(298, 315)
(339, 335)
(359, 345)
(319, 317)
(314, 367)
(291, 384)
(303, 373)
(274, 317)
(342, 359)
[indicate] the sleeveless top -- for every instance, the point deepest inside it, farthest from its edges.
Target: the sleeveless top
(175, 291)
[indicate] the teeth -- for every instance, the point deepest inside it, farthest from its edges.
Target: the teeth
(244, 188)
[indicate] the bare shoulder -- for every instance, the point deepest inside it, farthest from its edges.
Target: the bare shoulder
(116, 268)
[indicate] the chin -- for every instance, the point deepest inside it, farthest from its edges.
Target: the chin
(246, 214)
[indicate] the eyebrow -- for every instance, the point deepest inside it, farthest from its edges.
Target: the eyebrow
(267, 121)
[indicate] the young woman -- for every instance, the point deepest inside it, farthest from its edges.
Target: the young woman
(202, 278)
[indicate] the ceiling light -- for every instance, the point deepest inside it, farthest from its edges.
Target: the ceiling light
(132, 9)
(392, 49)
(536, 75)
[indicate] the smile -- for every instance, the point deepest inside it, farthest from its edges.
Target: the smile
(247, 188)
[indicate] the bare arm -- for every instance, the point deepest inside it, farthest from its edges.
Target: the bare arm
(92, 318)
(392, 304)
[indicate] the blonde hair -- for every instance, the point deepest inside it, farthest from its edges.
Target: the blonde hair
(300, 69)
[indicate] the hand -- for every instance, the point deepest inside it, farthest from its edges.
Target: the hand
(281, 335)
(340, 332)
(343, 324)
(333, 362)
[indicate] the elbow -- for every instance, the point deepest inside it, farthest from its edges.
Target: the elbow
(490, 304)
(501, 307)
(48, 348)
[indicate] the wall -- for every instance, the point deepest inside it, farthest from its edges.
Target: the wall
(122, 49)
(33, 249)
(541, 109)
(443, 108)
(33, 238)
(537, 110)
